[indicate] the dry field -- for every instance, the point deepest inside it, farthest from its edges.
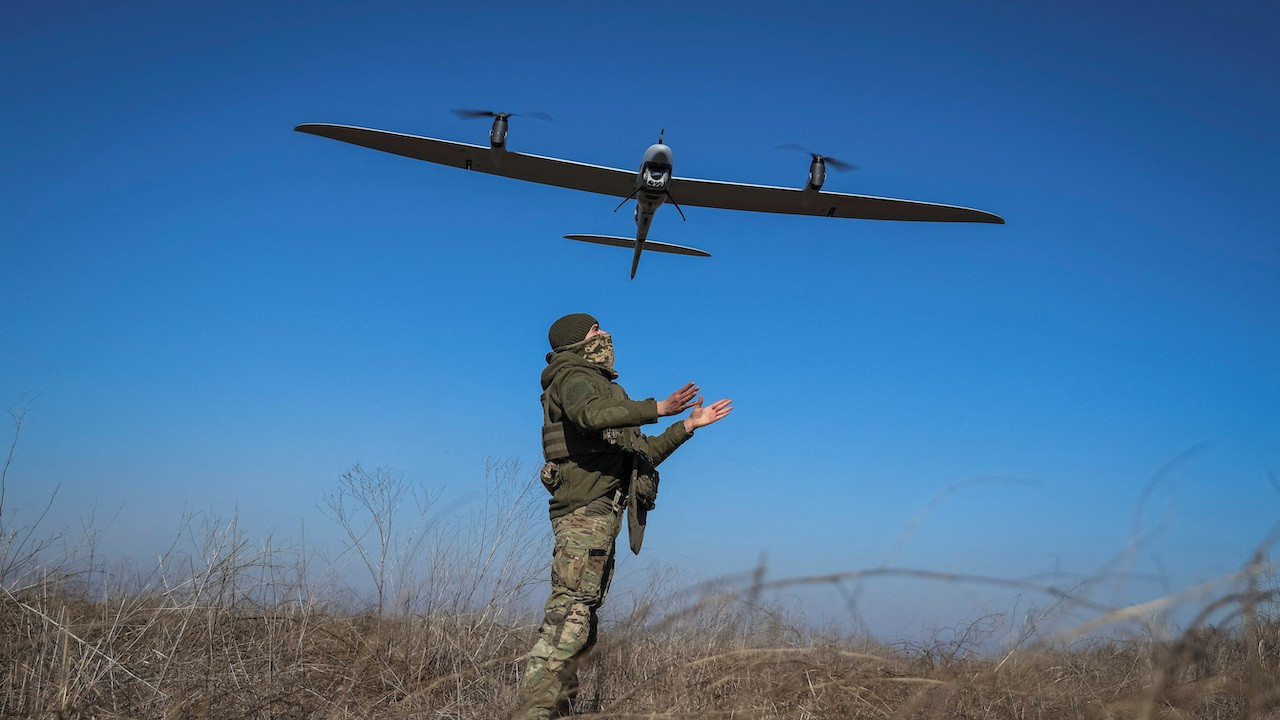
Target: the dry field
(216, 652)
(221, 627)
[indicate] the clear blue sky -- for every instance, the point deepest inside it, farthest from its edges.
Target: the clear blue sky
(218, 312)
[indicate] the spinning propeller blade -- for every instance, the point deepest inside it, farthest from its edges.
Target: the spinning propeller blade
(840, 165)
(472, 114)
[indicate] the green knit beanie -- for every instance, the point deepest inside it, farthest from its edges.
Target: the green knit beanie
(570, 329)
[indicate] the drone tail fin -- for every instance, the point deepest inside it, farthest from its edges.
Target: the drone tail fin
(639, 246)
(627, 242)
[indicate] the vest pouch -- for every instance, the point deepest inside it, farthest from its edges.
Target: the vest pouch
(645, 482)
(550, 475)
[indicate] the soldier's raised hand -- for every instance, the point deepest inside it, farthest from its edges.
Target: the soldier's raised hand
(704, 416)
(678, 401)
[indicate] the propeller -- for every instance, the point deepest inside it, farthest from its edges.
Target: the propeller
(472, 114)
(840, 165)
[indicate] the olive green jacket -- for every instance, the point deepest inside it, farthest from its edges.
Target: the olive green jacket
(584, 394)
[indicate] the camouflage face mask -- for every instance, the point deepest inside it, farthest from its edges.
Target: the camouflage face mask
(599, 350)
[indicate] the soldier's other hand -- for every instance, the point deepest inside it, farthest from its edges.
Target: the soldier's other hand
(704, 416)
(678, 401)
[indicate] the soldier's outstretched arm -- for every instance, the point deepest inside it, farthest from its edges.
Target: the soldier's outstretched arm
(590, 407)
(659, 447)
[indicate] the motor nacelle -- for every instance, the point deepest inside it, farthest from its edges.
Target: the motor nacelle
(498, 133)
(817, 173)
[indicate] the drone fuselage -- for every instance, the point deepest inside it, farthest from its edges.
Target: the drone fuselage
(651, 192)
(651, 187)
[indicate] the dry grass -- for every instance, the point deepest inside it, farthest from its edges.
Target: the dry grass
(145, 657)
(224, 628)
(212, 648)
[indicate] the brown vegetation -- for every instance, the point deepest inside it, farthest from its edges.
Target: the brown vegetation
(226, 629)
(222, 655)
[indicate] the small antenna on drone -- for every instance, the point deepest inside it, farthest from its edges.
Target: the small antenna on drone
(660, 134)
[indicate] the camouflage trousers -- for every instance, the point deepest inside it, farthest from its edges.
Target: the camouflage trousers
(581, 568)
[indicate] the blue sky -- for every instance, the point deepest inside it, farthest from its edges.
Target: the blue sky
(217, 312)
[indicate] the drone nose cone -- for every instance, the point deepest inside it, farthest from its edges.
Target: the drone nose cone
(658, 153)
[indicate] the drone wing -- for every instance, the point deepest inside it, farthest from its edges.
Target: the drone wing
(533, 168)
(621, 183)
(765, 198)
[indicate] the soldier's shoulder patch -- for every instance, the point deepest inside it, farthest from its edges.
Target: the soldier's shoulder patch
(576, 386)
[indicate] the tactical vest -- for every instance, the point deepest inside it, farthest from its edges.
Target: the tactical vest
(563, 439)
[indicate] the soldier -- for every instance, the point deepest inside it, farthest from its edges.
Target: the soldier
(598, 462)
